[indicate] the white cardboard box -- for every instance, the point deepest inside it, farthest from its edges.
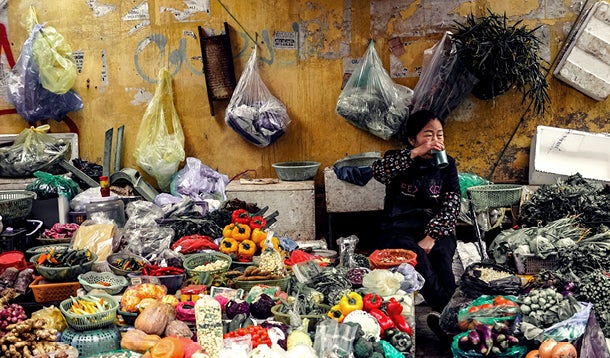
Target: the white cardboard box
(558, 153)
(294, 200)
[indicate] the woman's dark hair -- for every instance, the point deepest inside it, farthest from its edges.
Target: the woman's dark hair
(415, 123)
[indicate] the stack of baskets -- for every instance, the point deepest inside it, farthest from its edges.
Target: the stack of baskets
(15, 205)
(91, 333)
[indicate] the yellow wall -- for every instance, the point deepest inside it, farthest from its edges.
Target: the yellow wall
(306, 80)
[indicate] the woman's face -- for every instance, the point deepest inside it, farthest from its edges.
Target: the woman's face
(432, 132)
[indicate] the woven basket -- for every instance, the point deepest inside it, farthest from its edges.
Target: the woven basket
(36, 250)
(247, 285)
(530, 264)
(15, 205)
(60, 274)
(92, 280)
(90, 321)
(495, 195)
(200, 259)
(51, 292)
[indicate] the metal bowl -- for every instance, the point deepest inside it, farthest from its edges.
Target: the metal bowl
(296, 171)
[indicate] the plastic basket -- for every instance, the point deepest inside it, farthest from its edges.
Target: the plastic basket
(200, 259)
(282, 283)
(495, 195)
(113, 258)
(93, 320)
(107, 281)
(388, 258)
(50, 292)
(60, 274)
(91, 343)
(530, 264)
(36, 250)
(15, 205)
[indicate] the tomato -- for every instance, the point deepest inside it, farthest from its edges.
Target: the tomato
(241, 331)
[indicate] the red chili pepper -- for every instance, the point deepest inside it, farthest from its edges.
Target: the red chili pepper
(240, 216)
(258, 222)
(384, 321)
(394, 309)
(372, 301)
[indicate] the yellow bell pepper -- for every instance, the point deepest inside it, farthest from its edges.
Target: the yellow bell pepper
(228, 245)
(351, 302)
(247, 248)
(336, 313)
(241, 232)
(258, 236)
(226, 231)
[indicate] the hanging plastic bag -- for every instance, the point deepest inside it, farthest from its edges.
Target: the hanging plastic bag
(32, 150)
(253, 112)
(370, 99)
(444, 82)
(56, 64)
(31, 100)
(160, 140)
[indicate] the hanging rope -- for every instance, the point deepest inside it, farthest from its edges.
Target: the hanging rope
(237, 21)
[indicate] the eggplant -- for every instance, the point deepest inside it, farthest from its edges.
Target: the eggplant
(486, 335)
(464, 343)
(512, 340)
(500, 327)
(474, 337)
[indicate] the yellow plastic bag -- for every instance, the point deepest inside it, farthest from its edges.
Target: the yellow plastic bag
(56, 64)
(55, 319)
(160, 140)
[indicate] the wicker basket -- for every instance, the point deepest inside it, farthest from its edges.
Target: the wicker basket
(200, 259)
(93, 320)
(50, 292)
(15, 205)
(530, 264)
(92, 280)
(388, 258)
(282, 283)
(495, 195)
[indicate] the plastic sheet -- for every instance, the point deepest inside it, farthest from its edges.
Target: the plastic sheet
(48, 186)
(371, 101)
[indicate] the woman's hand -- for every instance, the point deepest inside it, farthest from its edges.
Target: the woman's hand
(424, 149)
(427, 243)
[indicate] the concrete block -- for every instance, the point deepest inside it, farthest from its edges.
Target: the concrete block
(295, 202)
(345, 197)
(585, 64)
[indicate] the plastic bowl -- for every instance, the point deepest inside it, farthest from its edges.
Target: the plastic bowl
(63, 274)
(112, 259)
(296, 171)
(107, 281)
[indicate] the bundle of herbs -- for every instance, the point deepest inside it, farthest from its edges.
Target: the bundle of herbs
(572, 196)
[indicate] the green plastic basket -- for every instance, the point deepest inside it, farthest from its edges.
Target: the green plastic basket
(90, 321)
(495, 195)
(15, 205)
(195, 260)
(64, 273)
(91, 343)
(112, 284)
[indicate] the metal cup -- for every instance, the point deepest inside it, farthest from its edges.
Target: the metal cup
(440, 158)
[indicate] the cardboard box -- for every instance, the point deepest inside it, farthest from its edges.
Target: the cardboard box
(51, 211)
(558, 153)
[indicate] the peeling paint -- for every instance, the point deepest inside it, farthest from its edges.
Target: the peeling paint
(104, 73)
(325, 32)
(100, 10)
(192, 7)
(141, 96)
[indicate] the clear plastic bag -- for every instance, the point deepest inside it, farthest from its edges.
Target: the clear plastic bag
(56, 64)
(32, 150)
(347, 249)
(31, 100)
(253, 112)
(333, 339)
(199, 182)
(160, 139)
(444, 82)
(371, 101)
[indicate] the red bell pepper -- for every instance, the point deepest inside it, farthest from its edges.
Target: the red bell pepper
(372, 301)
(394, 309)
(258, 222)
(240, 216)
(384, 321)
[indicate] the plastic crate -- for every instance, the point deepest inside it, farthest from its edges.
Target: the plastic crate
(50, 292)
(495, 195)
(530, 264)
(90, 321)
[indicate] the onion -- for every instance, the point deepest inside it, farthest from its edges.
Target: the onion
(546, 348)
(564, 350)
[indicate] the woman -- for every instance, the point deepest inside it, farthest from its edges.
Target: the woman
(421, 207)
